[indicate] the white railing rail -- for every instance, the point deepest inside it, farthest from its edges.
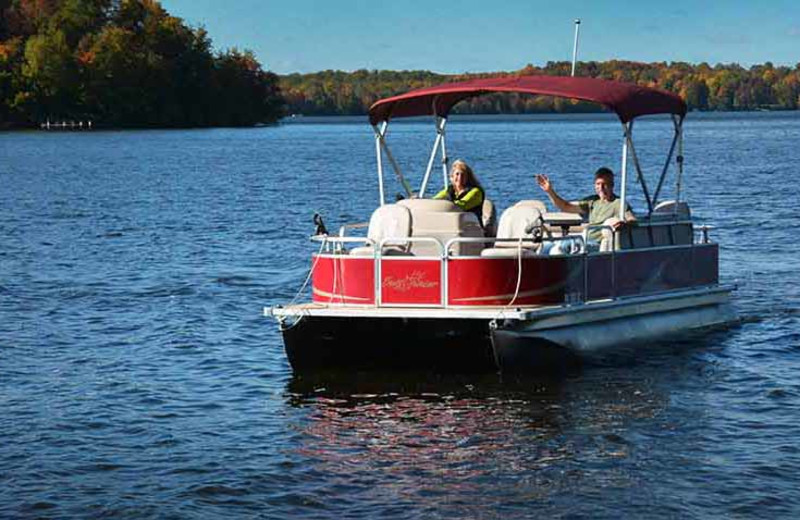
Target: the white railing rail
(537, 247)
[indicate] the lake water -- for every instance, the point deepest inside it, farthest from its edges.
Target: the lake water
(138, 378)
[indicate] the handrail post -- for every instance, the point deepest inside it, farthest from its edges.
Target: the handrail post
(585, 273)
(613, 264)
(445, 271)
(378, 282)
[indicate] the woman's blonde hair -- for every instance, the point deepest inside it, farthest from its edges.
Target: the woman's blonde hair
(462, 165)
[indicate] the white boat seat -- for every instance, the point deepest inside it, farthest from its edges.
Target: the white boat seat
(388, 221)
(429, 205)
(442, 221)
(679, 209)
(513, 225)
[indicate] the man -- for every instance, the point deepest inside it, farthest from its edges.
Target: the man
(600, 209)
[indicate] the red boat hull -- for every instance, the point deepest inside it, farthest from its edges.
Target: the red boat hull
(475, 282)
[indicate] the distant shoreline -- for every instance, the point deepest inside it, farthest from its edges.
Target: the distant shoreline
(455, 118)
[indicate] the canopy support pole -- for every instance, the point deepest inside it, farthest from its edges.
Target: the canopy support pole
(624, 172)
(382, 143)
(445, 159)
(666, 164)
(379, 157)
(575, 45)
(639, 175)
(440, 122)
(680, 161)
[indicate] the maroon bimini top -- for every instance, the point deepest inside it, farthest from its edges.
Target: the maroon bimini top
(625, 99)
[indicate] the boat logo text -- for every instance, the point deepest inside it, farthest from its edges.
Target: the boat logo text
(414, 280)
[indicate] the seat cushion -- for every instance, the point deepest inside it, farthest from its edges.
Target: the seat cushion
(514, 222)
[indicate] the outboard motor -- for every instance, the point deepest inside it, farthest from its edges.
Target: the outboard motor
(320, 225)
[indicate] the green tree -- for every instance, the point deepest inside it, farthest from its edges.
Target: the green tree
(787, 91)
(11, 59)
(696, 94)
(50, 75)
(77, 18)
(244, 93)
(115, 69)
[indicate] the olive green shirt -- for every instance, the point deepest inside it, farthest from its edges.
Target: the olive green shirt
(598, 211)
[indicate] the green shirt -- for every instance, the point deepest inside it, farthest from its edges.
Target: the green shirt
(470, 200)
(598, 211)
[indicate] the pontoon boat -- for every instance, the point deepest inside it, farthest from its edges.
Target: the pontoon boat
(431, 287)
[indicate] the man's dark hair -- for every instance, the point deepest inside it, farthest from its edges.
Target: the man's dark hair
(604, 172)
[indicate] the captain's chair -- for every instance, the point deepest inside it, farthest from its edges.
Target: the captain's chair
(514, 222)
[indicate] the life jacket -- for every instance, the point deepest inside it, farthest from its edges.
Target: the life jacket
(477, 210)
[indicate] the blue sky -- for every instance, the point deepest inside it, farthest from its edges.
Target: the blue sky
(479, 36)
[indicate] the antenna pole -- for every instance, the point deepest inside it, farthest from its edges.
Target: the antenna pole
(575, 45)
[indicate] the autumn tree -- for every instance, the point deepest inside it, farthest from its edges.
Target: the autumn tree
(124, 63)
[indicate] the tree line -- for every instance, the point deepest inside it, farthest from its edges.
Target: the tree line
(124, 63)
(129, 63)
(703, 87)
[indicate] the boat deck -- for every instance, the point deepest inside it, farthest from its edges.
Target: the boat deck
(593, 309)
(358, 311)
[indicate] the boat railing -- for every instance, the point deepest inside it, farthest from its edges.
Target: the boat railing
(703, 230)
(393, 242)
(613, 255)
(523, 242)
(644, 223)
(646, 234)
(612, 252)
(335, 245)
(445, 251)
(580, 253)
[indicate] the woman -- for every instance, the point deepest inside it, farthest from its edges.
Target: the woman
(464, 190)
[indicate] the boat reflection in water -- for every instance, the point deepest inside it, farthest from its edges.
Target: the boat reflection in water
(428, 438)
